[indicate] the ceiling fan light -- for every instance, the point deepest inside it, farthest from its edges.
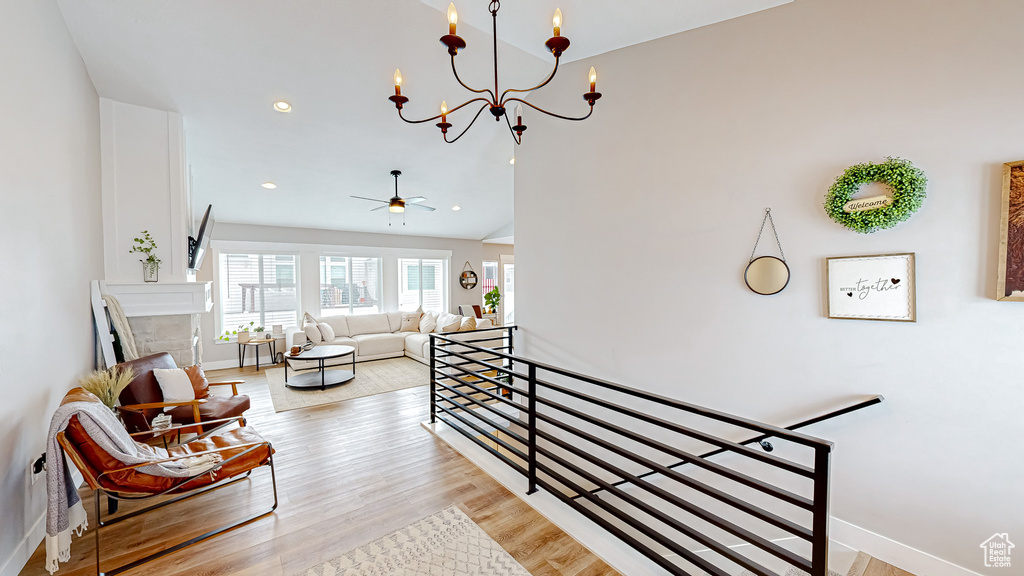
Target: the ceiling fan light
(396, 208)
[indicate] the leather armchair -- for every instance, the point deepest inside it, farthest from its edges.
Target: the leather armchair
(143, 400)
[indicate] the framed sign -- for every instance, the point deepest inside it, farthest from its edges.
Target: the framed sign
(1011, 234)
(878, 287)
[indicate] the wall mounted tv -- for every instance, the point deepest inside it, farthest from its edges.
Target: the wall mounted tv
(197, 246)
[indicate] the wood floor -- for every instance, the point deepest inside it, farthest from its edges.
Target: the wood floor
(347, 473)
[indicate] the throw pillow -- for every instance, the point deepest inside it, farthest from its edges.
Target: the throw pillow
(313, 333)
(326, 331)
(468, 323)
(175, 385)
(200, 384)
(428, 322)
(449, 323)
(411, 321)
(484, 323)
(308, 318)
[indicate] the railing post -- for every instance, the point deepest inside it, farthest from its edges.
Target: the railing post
(433, 382)
(532, 422)
(819, 523)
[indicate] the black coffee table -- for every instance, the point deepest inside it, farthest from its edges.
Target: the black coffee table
(322, 378)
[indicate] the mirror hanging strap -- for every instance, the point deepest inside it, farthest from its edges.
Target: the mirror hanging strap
(767, 218)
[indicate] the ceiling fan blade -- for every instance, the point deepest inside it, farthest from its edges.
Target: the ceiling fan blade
(415, 199)
(377, 208)
(370, 199)
(418, 206)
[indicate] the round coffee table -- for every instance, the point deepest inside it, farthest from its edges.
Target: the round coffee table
(323, 378)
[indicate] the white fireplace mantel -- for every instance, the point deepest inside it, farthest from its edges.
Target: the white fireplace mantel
(163, 298)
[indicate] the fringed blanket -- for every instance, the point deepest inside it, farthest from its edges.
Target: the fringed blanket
(64, 511)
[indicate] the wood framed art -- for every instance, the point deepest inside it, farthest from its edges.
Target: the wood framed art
(1011, 235)
(876, 287)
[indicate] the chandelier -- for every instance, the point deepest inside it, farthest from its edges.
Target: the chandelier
(494, 102)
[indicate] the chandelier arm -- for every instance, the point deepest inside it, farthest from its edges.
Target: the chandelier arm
(517, 138)
(552, 113)
(432, 118)
(485, 90)
(470, 123)
(538, 86)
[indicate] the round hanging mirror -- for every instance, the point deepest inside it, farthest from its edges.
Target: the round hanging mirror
(766, 275)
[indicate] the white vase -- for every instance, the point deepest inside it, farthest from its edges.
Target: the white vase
(243, 337)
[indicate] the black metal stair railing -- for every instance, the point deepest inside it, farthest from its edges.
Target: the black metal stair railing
(679, 483)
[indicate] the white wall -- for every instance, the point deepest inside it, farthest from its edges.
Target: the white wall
(309, 242)
(144, 188)
(52, 248)
(666, 185)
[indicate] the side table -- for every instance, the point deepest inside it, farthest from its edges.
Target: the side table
(271, 345)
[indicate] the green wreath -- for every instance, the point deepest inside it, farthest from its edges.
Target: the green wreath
(906, 181)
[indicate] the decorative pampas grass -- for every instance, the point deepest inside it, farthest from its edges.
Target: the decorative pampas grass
(107, 384)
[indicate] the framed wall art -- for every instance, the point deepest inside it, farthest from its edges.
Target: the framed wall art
(879, 287)
(1011, 234)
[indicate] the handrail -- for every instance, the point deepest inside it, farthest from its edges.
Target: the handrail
(579, 445)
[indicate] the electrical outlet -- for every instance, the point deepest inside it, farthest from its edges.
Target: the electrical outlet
(36, 468)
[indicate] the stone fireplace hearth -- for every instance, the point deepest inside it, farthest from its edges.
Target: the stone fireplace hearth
(176, 334)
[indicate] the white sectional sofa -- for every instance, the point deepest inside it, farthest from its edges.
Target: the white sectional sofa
(374, 336)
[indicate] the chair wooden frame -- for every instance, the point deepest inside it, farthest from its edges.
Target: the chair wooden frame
(94, 482)
(198, 425)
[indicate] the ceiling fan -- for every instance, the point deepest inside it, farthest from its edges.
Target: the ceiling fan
(397, 204)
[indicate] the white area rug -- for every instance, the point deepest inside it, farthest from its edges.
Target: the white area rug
(374, 377)
(447, 543)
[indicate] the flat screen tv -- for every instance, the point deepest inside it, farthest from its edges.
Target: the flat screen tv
(197, 246)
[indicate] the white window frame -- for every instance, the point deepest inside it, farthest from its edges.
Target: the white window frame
(445, 279)
(218, 300)
(349, 256)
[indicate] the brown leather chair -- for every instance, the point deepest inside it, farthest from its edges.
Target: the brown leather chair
(242, 449)
(143, 400)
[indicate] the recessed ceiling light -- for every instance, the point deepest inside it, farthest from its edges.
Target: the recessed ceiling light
(282, 106)
(269, 185)
(456, 207)
(513, 160)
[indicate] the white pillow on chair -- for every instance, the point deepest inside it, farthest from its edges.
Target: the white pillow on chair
(175, 385)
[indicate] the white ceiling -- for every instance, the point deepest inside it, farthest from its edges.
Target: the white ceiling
(222, 64)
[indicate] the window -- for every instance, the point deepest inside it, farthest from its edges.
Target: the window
(421, 283)
(490, 279)
(258, 288)
(349, 285)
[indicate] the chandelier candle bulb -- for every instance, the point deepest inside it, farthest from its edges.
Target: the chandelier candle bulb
(556, 21)
(593, 79)
(519, 113)
(444, 110)
(453, 18)
(398, 82)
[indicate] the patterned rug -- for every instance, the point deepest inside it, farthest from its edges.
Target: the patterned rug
(374, 377)
(447, 543)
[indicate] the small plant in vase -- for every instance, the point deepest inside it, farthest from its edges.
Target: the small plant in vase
(151, 265)
(492, 299)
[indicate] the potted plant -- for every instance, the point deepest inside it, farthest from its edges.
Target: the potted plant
(492, 299)
(108, 384)
(151, 265)
(259, 332)
(243, 332)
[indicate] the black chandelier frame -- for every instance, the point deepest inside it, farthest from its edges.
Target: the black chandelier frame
(497, 106)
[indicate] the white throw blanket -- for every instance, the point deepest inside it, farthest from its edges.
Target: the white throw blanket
(64, 511)
(121, 326)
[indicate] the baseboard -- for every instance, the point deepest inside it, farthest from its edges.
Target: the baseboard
(892, 552)
(14, 565)
(16, 562)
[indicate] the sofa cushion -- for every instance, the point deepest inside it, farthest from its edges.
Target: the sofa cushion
(448, 323)
(326, 331)
(415, 343)
(375, 344)
(368, 324)
(468, 323)
(313, 333)
(339, 324)
(395, 321)
(428, 322)
(199, 382)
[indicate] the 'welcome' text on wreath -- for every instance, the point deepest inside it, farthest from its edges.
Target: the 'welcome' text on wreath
(906, 181)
